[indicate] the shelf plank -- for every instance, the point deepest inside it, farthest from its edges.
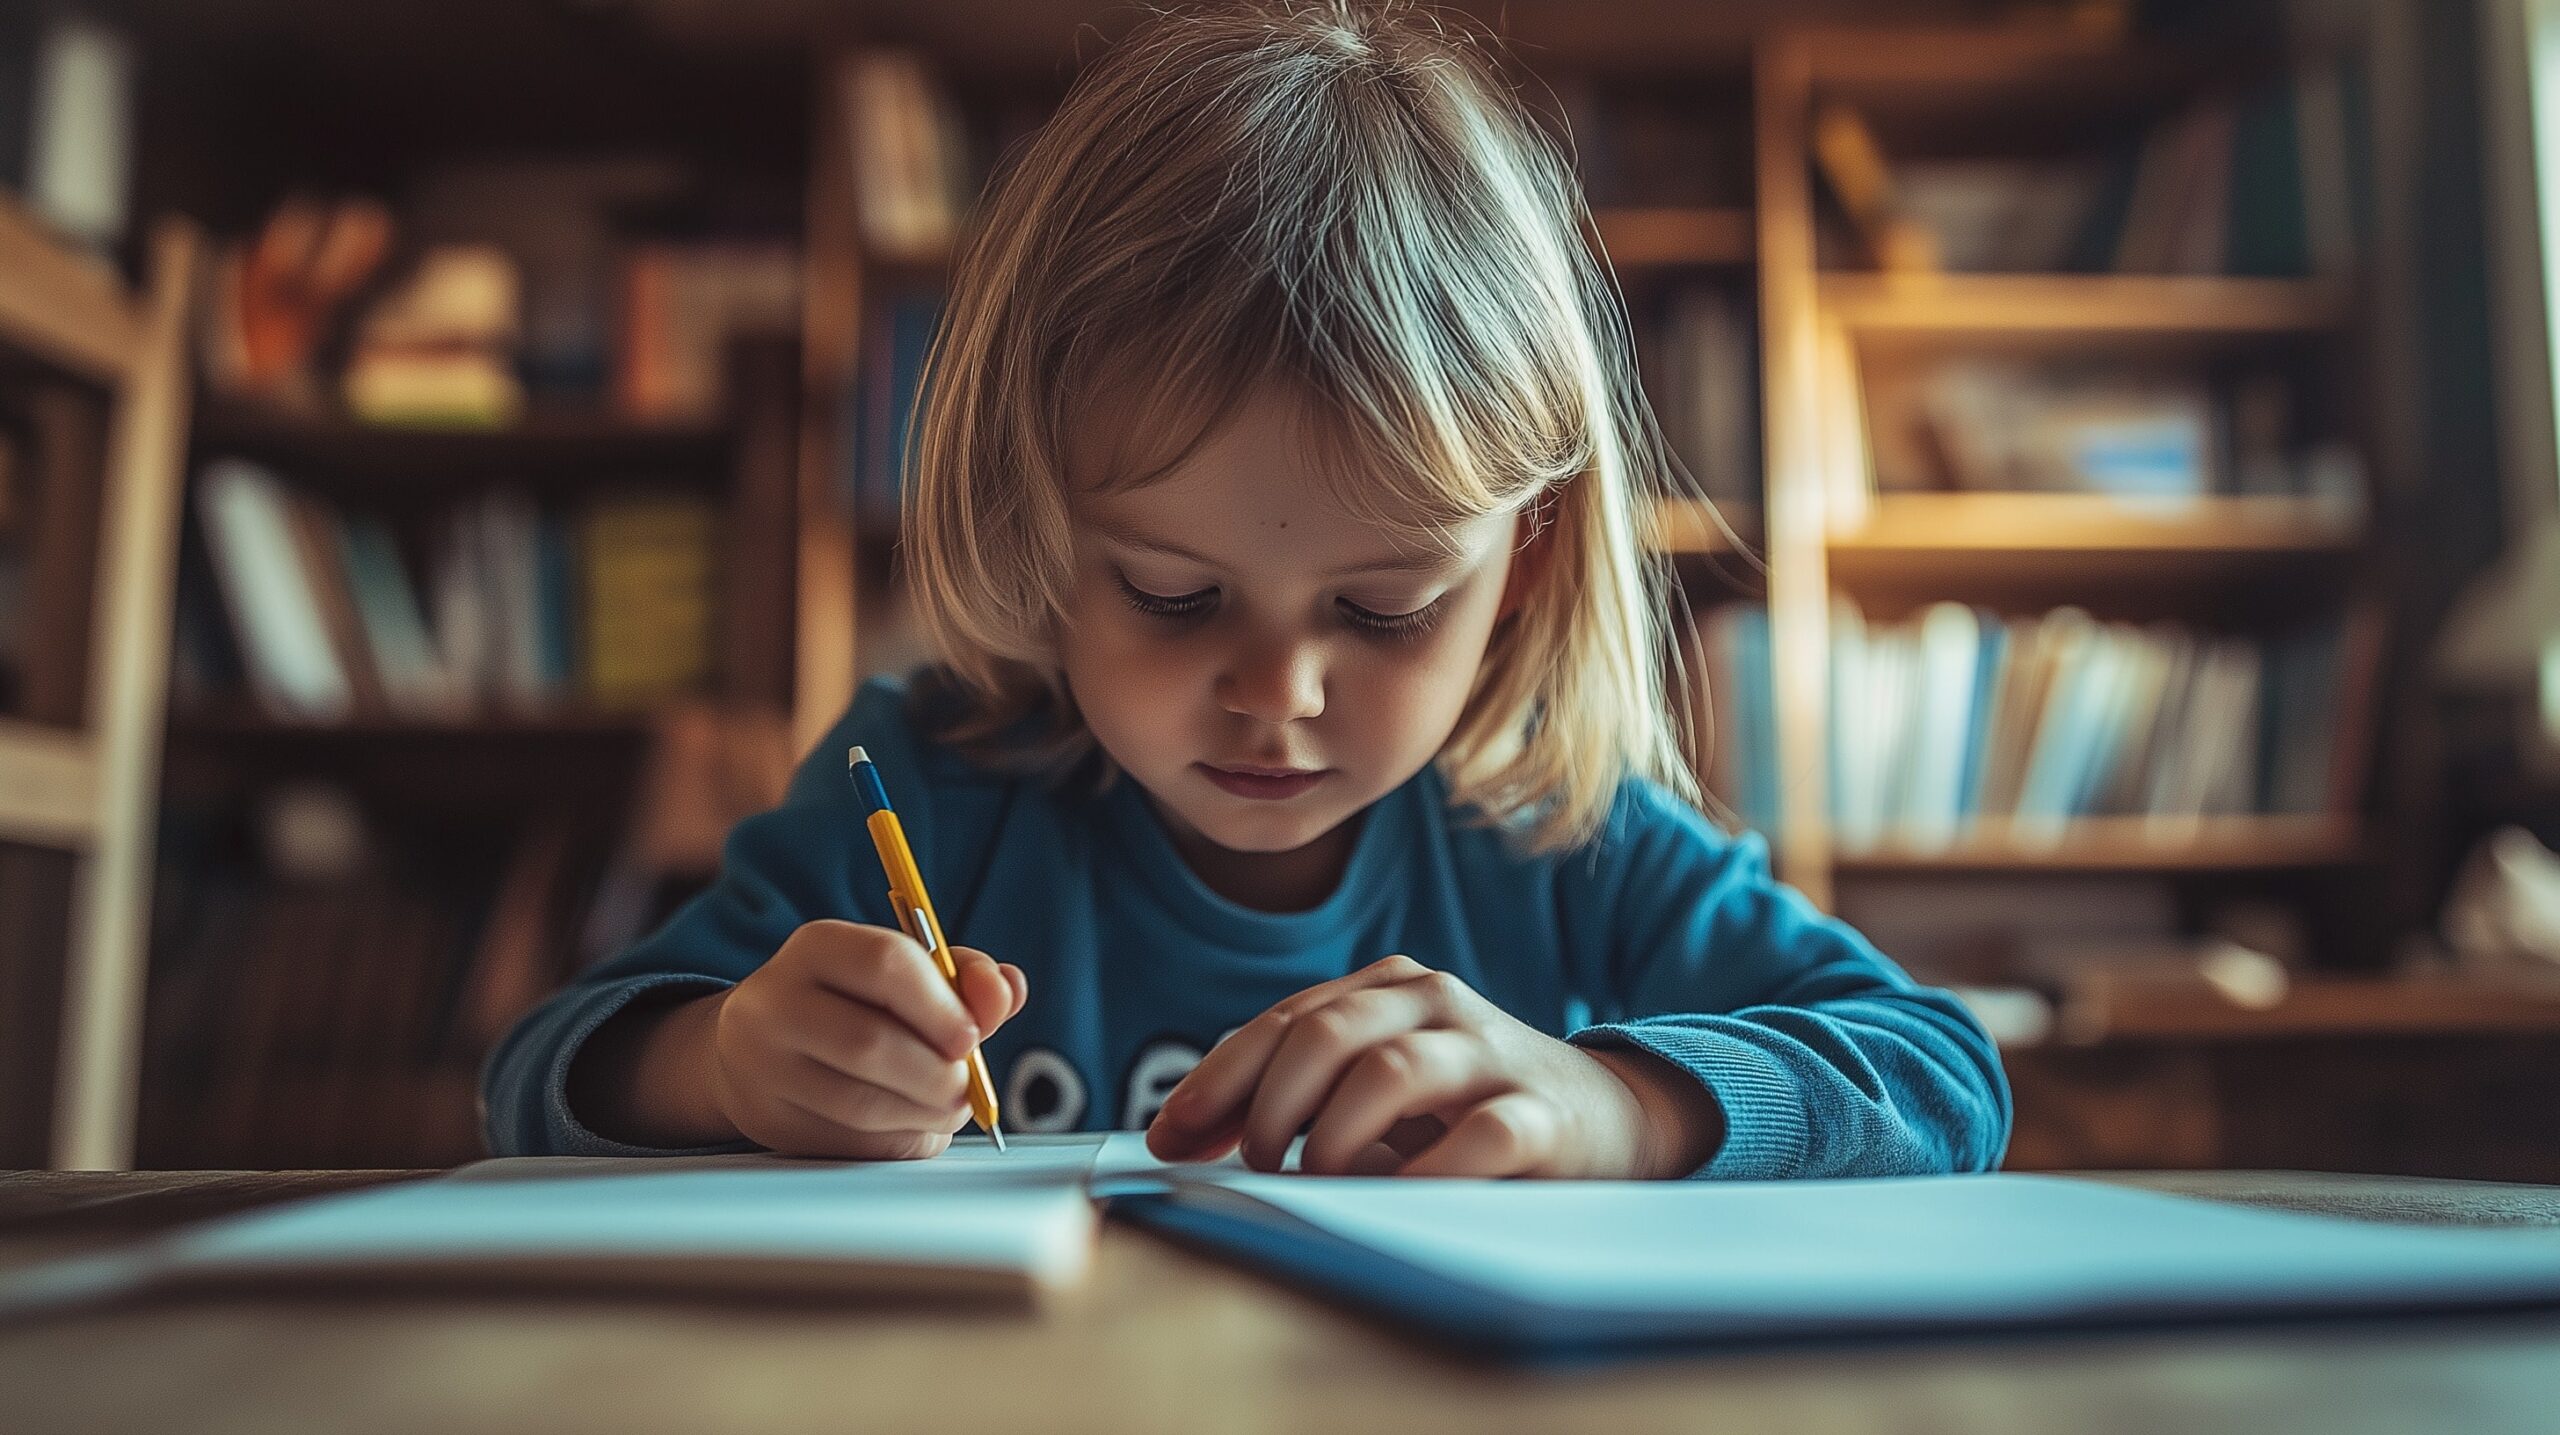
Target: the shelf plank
(2102, 1011)
(2127, 844)
(545, 445)
(1648, 238)
(230, 727)
(61, 303)
(2071, 523)
(2081, 306)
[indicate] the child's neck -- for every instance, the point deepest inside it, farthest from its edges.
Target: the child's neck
(1290, 881)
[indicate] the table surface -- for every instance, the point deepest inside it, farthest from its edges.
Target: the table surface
(1161, 1340)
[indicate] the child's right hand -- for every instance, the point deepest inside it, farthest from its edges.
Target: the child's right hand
(848, 1043)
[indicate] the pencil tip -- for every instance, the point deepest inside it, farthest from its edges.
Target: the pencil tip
(998, 1134)
(854, 755)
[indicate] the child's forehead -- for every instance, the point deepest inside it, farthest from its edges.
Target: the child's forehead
(1255, 512)
(1266, 478)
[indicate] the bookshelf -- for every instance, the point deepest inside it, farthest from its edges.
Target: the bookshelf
(2211, 557)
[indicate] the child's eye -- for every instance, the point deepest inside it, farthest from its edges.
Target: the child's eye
(1395, 625)
(1161, 605)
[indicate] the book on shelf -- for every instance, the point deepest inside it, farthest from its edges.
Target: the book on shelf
(648, 577)
(908, 153)
(2117, 428)
(1729, 657)
(2269, 179)
(272, 596)
(1704, 365)
(1954, 717)
(513, 607)
(880, 402)
(683, 306)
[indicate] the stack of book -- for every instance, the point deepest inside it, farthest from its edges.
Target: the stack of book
(1959, 718)
(509, 607)
(439, 351)
(556, 296)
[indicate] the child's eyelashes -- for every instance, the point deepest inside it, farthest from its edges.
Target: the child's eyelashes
(1183, 607)
(1396, 625)
(1165, 605)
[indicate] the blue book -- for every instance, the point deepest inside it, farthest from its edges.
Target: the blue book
(1986, 695)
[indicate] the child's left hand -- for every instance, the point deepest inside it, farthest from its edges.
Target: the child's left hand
(1400, 1070)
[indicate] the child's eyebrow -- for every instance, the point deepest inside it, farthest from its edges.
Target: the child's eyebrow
(1407, 563)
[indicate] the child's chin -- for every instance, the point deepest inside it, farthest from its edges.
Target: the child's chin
(1260, 831)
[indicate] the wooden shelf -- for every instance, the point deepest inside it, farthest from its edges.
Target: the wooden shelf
(2010, 550)
(2074, 523)
(546, 447)
(2310, 1007)
(252, 727)
(1635, 238)
(2045, 308)
(2127, 844)
(2014, 89)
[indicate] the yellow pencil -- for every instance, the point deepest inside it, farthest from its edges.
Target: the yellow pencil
(915, 915)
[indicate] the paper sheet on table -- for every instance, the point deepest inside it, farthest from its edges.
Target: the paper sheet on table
(971, 1214)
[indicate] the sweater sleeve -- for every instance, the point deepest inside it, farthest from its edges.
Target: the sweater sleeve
(807, 859)
(1825, 1057)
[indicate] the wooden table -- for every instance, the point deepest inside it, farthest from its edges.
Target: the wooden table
(1160, 1340)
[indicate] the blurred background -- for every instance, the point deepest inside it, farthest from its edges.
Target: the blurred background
(449, 464)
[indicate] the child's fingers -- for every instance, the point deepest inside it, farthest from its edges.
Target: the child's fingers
(1211, 1098)
(1021, 986)
(1315, 1054)
(872, 1045)
(891, 971)
(1512, 1135)
(1417, 1074)
(859, 1105)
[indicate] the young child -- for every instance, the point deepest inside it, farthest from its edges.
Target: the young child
(1300, 741)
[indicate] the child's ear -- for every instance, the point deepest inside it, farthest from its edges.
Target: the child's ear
(1532, 552)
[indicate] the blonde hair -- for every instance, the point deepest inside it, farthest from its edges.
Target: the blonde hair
(1348, 198)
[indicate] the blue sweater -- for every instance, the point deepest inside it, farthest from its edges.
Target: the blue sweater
(1661, 933)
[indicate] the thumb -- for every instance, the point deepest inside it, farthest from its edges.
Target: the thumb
(984, 988)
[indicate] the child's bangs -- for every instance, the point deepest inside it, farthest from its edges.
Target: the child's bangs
(1404, 431)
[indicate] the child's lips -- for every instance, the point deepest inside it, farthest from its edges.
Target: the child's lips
(1267, 784)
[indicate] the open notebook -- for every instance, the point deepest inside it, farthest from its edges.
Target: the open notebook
(1522, 1268)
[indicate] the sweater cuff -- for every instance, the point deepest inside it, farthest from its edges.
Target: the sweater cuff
(569, 1135)
(1766, 1134)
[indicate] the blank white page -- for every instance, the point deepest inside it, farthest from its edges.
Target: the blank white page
(1017, 1218)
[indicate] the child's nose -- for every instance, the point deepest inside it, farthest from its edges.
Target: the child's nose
(1274, 682)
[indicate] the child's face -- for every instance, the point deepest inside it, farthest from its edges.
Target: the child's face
(1263, 663)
